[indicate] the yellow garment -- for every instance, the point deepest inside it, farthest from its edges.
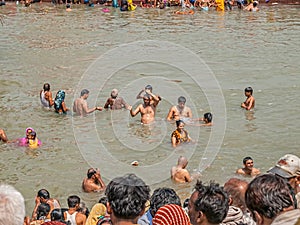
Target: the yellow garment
(33, 143)
(220, 5)
(131, 6)
(98, 210)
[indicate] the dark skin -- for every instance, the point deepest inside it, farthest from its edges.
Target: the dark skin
(3, 136)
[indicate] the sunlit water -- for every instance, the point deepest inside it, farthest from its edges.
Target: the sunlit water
(46, 44)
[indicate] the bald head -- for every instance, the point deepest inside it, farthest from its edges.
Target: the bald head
(182, 161)
(236, 189)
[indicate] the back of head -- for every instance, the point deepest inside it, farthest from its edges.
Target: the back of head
(212, 201)
(43, 210)
(43, 193)
(268, 195)
(249, 89)
(73, 200)
(12, 207)
(46, 87)
(208, 117)
(161, 197)
(127, 196)
(181, 99)
(148, 87)
(57, 215)
(182, 161)
(171, 215)
(84, 91)
(236, 188)
(114, 93)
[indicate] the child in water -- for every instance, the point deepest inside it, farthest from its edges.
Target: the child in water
(207, 119)
(250, 101)
(33, 142)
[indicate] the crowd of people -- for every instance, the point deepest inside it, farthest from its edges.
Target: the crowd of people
(269, 199)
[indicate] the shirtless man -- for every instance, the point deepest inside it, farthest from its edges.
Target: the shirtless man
(179, 173)
(250, 101)
(93, 182)
(179, 111)
(248, 169)
(80, 104)
(3, 136)
(115, 102)
(147, 110)
(43, 196)
(148, 90)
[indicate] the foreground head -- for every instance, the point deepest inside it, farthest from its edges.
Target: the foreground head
(161, 197)
(114, 93)
(84, 92)
(57, 215)
(127, 196)
(46, 87)
(171, 215)
(207, 117)
(236, 189)
(208, 204)
(249, 90)
(181, 101)
(73, 201)
(43, 211)
(267, 196)
(12, 207)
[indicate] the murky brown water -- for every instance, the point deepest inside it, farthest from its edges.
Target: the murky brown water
(46, 44)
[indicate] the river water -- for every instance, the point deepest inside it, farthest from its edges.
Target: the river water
(208, 57)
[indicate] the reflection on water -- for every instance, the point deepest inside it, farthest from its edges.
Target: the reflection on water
(45, 44)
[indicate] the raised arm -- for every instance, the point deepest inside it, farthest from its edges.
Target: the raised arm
(139, 96)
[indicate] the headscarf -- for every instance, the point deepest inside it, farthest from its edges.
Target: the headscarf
(171, 215)
(98, 210)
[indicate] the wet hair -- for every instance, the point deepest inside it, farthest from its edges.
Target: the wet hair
(249, 89)
(91, 172)
(43, 193)
(212, 200)
(103, 200)
(148, 87)
(73, 200)
(208, 117)
(147, 96)
(57, 215)
(254, 3)
(161, 197)
(43, 210)
(178, 122)
(83, 209)
(236, 188)
(181, 99)
(46, 87)
(12, 207)
(268, 195)
(84, 91)
(127, 196)
(246, 159)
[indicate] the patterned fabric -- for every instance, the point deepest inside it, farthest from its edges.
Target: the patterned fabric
(171, 215)
(60, 97)
(178, 136)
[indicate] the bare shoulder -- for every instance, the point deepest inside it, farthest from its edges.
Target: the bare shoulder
(240, 171)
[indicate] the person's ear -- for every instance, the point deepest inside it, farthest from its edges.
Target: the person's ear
(258, 218)
(200, 217)
(108, 208)
(230, 201)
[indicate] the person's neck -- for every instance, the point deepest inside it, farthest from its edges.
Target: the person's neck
(72, 210)
(119, 221)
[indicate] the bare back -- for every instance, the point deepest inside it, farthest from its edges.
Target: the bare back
(180, 175)
(80, 106)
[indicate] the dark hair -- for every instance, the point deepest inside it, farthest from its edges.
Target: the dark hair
(181, 99)
(254, 3)
(33, 133)
(178, 122)
(73, 200)
(57, 215)
(212, 200)
(84, 91)
(83, 209)
(249, 89)
(103, 200)
(148, 87)
(246, 159)
(91, 172)
(43, 210)
(268, 195)
(186, 203)
(127, 196)
(147, 96)
(46, 87)
(236, 188)
(208, 117)
(161, 197)
(43, 193)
